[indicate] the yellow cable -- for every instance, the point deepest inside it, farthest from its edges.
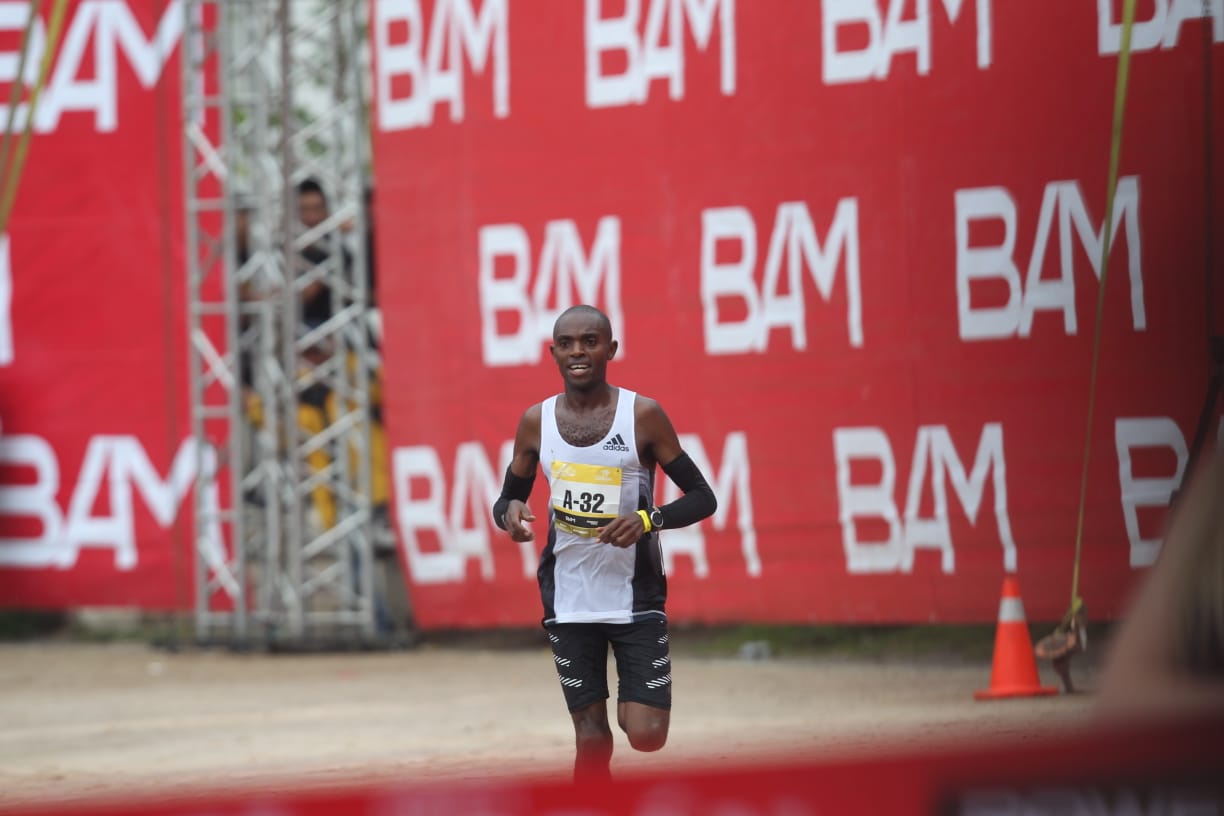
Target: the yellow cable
(13, 174)
(15, 93)
(1115, 151)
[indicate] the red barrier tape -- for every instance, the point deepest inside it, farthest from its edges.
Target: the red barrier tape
(1154, 768)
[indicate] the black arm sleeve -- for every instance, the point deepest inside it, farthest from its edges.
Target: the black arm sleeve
(514, 487)
(698, 501)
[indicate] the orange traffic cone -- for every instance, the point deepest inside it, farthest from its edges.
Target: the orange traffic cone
(1014, 673)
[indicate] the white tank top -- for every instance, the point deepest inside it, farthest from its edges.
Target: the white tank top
(581, 579)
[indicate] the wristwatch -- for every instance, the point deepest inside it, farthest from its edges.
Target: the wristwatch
(656, 519)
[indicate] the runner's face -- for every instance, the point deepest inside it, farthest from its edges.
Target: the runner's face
(581, 348)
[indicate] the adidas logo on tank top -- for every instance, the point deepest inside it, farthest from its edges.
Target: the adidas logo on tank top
(616, 443)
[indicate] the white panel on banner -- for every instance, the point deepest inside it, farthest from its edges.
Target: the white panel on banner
(6, 304)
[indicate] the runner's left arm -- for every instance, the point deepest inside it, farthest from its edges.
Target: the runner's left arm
(660, 444)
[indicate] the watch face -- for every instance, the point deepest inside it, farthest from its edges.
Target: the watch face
(656, 518)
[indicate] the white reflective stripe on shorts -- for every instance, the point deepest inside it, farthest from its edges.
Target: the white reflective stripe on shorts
(1011, 610)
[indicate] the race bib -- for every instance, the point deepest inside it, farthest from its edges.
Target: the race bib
(584, 497)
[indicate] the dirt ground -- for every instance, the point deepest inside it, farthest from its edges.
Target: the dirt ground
(104, 720)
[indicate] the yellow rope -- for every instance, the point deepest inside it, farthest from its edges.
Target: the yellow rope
(18, 89)
(1115, 151)
(13, 170)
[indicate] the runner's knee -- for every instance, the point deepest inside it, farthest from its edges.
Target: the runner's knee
(650, 735)
(646, 726)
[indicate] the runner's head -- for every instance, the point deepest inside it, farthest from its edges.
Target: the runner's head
(582, 346)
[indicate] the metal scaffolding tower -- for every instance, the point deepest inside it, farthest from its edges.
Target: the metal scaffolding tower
(272, 96)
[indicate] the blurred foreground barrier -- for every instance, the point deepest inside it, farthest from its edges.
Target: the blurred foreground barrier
(1169, 768)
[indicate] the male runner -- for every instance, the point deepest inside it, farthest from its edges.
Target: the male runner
(601, 571)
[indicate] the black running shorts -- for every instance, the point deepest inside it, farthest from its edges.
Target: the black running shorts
(643, 666)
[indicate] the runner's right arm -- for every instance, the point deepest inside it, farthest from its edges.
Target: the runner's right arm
(511, 510)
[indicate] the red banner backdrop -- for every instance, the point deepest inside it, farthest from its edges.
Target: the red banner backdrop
(853, 247)
(95, 452)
